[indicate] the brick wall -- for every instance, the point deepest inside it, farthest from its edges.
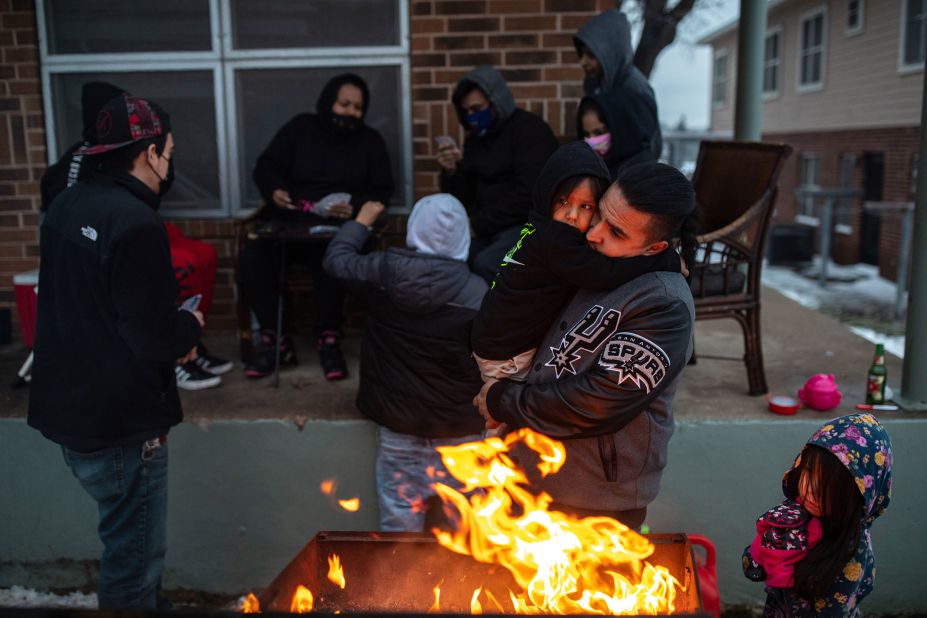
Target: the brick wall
(22, 143)
(530, 41)
(899, 145)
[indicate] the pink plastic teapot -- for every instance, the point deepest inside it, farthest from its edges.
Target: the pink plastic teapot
(820, 392)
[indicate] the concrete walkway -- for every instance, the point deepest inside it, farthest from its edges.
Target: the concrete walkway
(246, 468)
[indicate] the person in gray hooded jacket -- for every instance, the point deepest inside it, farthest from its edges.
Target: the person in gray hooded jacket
(604, 48)
(493, 177)
(417, 379)
(604, 376)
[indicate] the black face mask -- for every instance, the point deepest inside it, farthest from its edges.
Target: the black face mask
(345, 124)
(165, 184)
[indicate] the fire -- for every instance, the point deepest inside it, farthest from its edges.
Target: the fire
(250, 605)
(302, 601)
(335, 572)
(327, 487)
(562, 564)
(351, 504)
(475, 606)
(436, 606)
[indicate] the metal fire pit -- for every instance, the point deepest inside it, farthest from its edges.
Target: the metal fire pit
(396, 572)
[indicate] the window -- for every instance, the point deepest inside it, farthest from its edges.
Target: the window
(771, 62)
(845, 214)
(231, 73)
(720, 79)
(809, 173)
(855, 10)
(913, 34)
(812, 44)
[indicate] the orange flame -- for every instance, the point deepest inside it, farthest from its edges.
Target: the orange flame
(351, 504)
(327, 487)
(475, 607)
(250, 605)
(562, 564)
(436, 607)
(335, 572)
(302, 601)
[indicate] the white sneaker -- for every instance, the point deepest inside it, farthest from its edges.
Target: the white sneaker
(191, 378)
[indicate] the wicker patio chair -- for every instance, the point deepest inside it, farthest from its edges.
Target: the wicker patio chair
(735, 186)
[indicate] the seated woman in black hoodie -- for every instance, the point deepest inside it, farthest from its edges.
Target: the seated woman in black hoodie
(612, 134)
(313, 156)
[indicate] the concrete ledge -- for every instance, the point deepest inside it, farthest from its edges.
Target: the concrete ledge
(244, 498)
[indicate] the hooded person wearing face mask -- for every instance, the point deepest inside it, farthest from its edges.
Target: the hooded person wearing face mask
(108, 338)
(604, 47)
(313, 156)
(504, 151)
(417, 379)
(619, 148)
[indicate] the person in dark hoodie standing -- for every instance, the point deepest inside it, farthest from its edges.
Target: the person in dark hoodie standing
(313, 156)
(108, 337)
(504, 151)
(194, 261)
(416, 376)
(605, 54)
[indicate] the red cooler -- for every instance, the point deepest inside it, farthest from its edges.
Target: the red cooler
(24, 285)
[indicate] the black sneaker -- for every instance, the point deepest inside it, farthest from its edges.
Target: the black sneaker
(191, 378)
(331, 357)
(209, 363)
(263, 363)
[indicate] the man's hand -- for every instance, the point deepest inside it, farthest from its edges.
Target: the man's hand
(448, 156)
(682, 267)
(281, 198)
(369, 213)
(191, 355)
(480, 403)
(340, 211)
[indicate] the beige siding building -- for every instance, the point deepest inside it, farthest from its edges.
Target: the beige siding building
(843, 83)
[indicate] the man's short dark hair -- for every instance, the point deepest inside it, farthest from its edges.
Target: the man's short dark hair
(123, 158)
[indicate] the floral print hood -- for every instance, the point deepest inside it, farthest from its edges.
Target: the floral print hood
(861, 443)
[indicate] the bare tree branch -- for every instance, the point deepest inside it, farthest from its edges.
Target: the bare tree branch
(659, 30)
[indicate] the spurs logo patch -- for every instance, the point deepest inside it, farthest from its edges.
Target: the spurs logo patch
(636, 360)
(596, 327)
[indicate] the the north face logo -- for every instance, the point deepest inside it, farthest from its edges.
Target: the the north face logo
(635, 359)
(596, 327)
(89, 232)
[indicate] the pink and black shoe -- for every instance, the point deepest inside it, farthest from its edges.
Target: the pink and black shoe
(263, 363)
(331, 357)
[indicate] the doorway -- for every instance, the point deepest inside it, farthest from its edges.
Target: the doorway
(873, 184)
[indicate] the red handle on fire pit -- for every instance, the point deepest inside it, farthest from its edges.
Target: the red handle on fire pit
(707, 575)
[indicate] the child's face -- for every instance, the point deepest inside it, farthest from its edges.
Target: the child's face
(577, 207)
(807, 490)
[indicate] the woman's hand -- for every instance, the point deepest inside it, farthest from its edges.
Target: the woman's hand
(369, 213)
(340, 211)
(682, 267)
(281, 198)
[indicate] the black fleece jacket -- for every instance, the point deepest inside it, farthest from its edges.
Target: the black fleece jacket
(495, 177)
(108, 331)
(549, 263)
(311, 157)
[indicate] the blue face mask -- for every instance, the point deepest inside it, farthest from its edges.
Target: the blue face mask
(481, 121)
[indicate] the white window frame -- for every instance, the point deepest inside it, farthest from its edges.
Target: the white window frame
(223, 60)
(773, 94)
(808, 16)
(800, 216)
(861, 26)
(721, 53)
(905, 67)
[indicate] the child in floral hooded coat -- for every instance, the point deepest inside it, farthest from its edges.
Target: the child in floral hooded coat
(814, 551)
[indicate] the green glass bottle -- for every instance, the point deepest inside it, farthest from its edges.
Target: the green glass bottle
(875, 382)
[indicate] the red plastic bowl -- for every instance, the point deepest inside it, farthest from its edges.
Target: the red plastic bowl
(780, 404)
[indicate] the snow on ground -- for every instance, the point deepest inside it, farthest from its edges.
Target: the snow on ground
(855, 294)
(17, 596)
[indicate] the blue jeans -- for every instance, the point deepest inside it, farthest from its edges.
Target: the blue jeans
(131, 495)
(403, 484)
